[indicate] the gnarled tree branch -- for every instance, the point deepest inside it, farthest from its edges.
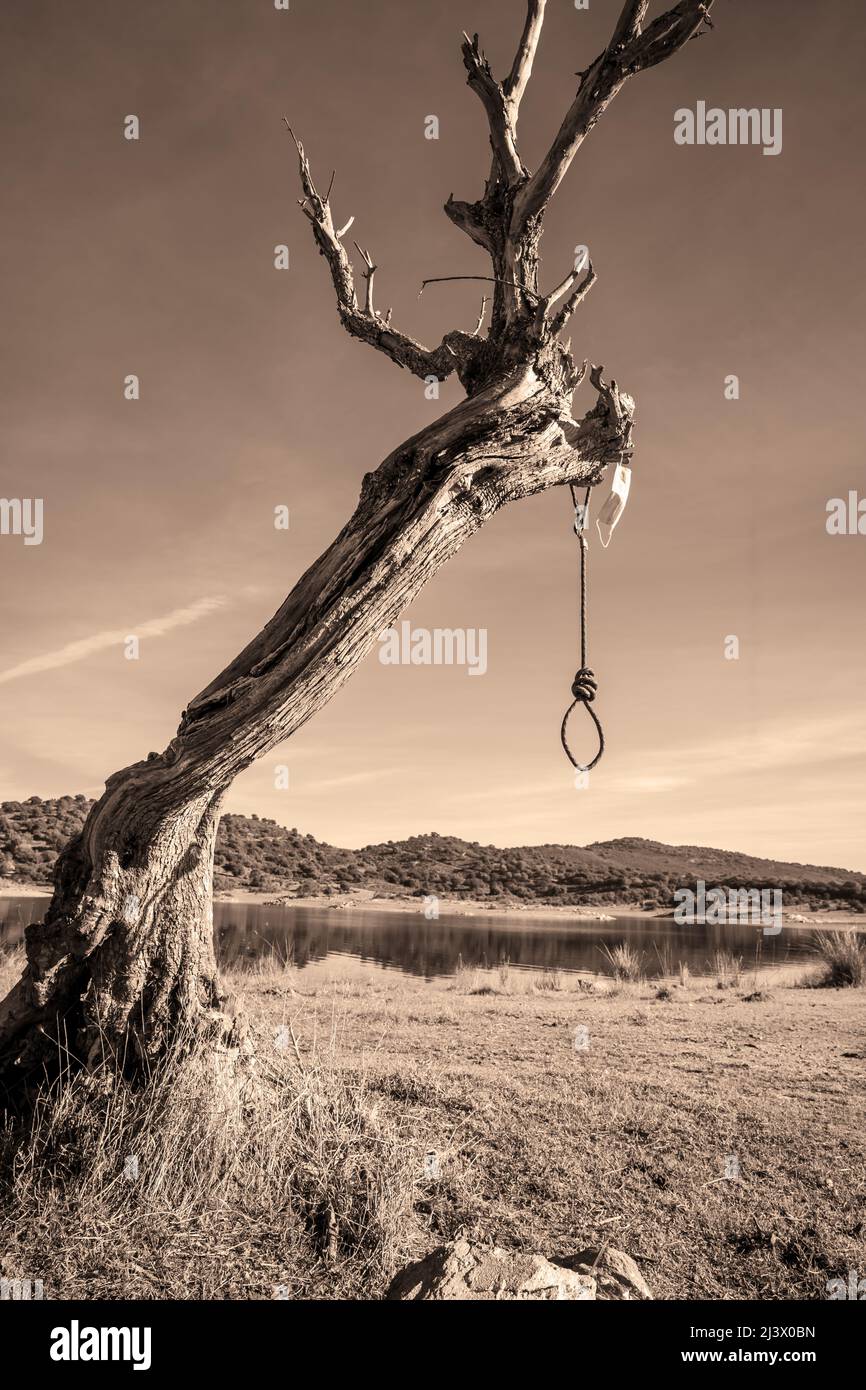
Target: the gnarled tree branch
(577, 296)
(667, 34)
(629, 24)
(521, 69)
(501, 101)
(630, 50)
(500, 111)
(365, 323)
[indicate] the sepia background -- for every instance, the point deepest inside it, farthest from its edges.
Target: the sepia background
(156, 258)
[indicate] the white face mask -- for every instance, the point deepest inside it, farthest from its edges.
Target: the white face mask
(614, 504)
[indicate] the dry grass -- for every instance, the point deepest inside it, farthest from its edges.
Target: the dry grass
(549, 979)
(624, 962)
(727, 969)
(842, 957)
(465, 978)
(317, 1181)
(301, 1181)
(506, 979)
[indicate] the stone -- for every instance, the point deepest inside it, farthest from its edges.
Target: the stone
(615, 1273)
(468, 1269)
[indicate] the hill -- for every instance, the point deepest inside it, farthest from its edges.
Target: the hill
(259, 854)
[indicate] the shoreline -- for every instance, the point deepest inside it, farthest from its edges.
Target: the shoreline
(466, 907)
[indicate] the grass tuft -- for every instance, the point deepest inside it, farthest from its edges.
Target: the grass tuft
(625, 963)
(727, 969)
(842, 957)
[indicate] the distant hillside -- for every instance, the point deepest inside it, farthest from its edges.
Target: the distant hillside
(259, 854)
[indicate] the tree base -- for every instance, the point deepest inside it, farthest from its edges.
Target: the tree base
(122, 971)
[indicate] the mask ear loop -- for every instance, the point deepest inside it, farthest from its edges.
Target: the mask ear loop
(584, 687)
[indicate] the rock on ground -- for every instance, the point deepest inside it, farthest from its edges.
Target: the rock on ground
(616, 1273)
(473, 1270)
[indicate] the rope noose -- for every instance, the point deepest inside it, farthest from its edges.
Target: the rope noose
(584, 686)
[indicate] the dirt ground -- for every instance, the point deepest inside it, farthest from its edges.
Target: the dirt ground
(712, 1128)
(550, 1138)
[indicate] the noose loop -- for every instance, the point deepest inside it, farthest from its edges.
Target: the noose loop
(584, 686)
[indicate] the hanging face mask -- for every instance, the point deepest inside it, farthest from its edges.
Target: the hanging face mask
(614, 504)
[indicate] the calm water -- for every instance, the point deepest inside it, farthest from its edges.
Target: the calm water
(406, 942)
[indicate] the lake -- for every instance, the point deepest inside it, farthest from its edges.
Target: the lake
(407, 942)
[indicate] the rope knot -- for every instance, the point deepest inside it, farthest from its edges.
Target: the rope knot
(584, 686)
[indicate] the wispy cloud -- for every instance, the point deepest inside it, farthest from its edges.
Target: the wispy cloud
(663, 782)
(789, 742)
(102, 641)
(351, 779)
(786, 744)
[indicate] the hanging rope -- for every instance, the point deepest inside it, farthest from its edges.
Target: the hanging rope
(584, 687)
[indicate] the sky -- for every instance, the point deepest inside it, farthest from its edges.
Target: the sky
(155, 257)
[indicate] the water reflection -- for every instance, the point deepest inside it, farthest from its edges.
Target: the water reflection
(407, 942)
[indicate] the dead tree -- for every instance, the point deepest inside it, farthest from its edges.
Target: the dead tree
(123, 965)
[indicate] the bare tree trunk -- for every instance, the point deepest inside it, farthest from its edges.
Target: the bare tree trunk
(124, 961)
(123, 968)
